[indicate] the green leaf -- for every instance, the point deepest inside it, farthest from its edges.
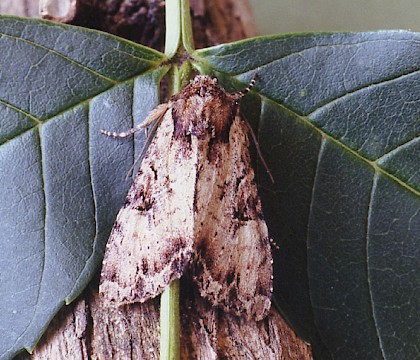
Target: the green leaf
(62, 182)
(339, 126)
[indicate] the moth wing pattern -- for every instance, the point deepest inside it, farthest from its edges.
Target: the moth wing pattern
(152, 239)
(194, 194)
(233, 265)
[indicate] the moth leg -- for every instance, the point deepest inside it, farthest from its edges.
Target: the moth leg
(238, 96)
(274, 244)
(257, 146)
(157, 120)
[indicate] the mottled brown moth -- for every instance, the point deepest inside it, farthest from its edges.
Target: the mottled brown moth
(194, 203)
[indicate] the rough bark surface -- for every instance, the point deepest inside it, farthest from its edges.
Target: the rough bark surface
(86, 330)
(143, 21)
(27, 8)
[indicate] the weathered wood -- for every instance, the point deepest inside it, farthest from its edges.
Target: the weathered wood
(27, 8)
(59, 10)
(142, 21)
(67, 335)
(208, 333)
(130, 332)
(86, 330)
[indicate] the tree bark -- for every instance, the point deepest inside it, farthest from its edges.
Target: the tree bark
(26, 8)
(86, 330)
(143, 21)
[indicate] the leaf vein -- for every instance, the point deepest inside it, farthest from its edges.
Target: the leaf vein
(368, 231)
(76, 62)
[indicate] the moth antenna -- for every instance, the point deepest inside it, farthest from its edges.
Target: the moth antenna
(124, 134)
(145, 146)
(257, 146)
(153, 117)
(248, 88)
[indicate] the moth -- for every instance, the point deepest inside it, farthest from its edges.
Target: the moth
(193, 203)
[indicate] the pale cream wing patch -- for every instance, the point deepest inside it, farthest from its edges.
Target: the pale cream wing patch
(152, 239)
(233, 266)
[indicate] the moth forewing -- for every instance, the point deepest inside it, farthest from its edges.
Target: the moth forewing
(151, 241)
(234, 267)
(194, 193)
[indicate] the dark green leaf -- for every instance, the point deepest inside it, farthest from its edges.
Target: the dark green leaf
(62, 182)
(339, 126)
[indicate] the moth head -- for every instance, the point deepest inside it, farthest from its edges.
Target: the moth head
(203, 80)
(203, 86)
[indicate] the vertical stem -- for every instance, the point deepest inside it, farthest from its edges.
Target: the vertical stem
(179, 35)
(169, 301)
(178, 39)
(173, 27)
(169, 323)
(187, 32)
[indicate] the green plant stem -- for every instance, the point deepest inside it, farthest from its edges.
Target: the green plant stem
(179, 35)
(173, 27)
(169, 323)
(178, 39)
(186, 32)
(169, 301)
